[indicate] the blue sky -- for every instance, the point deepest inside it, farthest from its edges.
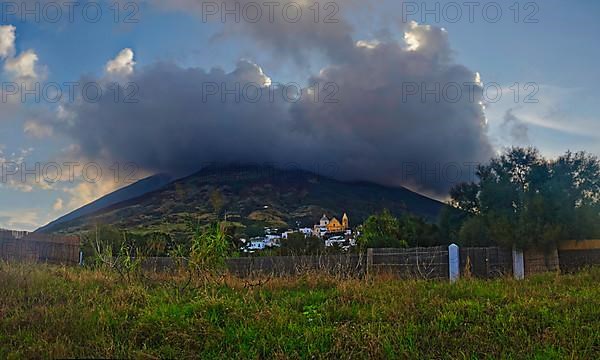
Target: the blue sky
(558, 54)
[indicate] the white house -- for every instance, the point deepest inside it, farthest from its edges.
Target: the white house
(335, 240)
(271, 240)
(256, 245)
(306, 231)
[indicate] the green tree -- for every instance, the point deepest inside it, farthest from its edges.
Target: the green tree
(525, 200)
(474, 232)
(381, 231)
(298, 244)
(418, 232)
(450, 223)
(385, 230)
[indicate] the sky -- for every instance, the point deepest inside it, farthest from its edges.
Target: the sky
(399, 93)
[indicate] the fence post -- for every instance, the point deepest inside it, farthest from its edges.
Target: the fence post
(453, 262)
(369, 261)
(518, 264)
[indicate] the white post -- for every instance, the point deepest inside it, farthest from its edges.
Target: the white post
(453, 262)
(518, 264)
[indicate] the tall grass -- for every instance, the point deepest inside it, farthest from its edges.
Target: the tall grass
(52, 311)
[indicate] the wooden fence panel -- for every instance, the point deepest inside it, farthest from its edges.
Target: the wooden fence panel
(38, 247)
(539, 261)
(575, 260)
(575, 255)
(485, 262)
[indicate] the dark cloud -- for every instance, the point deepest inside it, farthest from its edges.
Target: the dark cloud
(289, 28)
(517, 129)
(360, 121)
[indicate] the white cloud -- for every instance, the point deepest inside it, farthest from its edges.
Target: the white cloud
(412, 41)
(58, 204)
(547, 111)
(23, 66)
(541, 106)
(26, 219)
(122, 64)
(86, 192)
(428, 40)
(7, 41)
(20, 67)
(37, 130)
(19, 186)
(369, 44)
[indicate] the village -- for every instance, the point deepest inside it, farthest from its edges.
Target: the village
(332, 232)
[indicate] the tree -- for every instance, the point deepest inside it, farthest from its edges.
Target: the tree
(576, 187)
(474, 232)
(450, 223)
(417, 232)
(381, 231)
(525, 200)
(464, 197)
(299, 244)
(384, 230)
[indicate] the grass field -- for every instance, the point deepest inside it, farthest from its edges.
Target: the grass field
(51, 311)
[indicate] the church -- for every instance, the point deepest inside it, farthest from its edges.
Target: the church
(332, 226)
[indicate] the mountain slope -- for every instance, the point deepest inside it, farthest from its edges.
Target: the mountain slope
(132, 191)
(252, 197)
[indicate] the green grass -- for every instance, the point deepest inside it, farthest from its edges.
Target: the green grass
(50, 311)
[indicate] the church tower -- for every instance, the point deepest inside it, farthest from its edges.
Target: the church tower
(324, 221)
(345, 224)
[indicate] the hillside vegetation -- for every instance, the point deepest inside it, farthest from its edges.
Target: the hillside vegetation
(50, 311)
(252, 197)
